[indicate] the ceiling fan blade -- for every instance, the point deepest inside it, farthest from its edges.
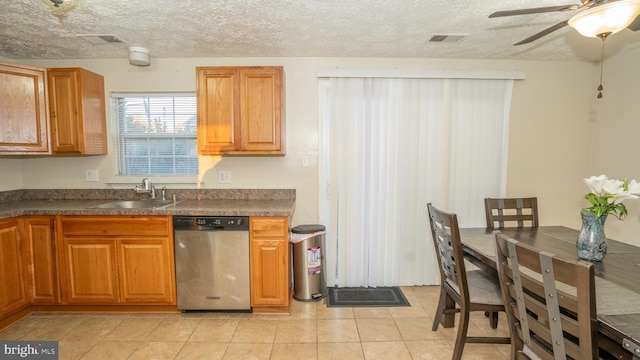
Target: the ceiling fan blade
(544, 32)
(534, 10)
(635, 25)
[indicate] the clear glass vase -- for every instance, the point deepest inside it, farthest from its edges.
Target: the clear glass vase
(592, 243)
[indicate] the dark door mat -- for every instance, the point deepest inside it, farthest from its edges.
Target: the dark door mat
(361, 296)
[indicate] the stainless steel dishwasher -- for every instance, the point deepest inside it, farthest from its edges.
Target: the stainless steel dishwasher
(212, 262)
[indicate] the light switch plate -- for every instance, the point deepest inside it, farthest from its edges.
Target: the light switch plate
(91, 175)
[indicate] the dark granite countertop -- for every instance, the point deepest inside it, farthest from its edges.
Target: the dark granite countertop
(190, 202)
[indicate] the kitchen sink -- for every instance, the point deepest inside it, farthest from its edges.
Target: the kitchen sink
(136, 204)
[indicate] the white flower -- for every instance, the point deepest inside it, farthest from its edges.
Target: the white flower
(621, 196)
(628, 190)
(613, 187)
(595, 184)
(634, 188)
(606, 195)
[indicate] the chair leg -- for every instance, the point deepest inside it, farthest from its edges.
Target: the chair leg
(440, 310)
(493, 320)
(461, 338)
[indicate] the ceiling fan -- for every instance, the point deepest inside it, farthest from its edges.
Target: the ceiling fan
(595, 7)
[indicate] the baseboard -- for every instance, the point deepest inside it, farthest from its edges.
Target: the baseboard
(18, 315)
(13, 318)
(107, 308)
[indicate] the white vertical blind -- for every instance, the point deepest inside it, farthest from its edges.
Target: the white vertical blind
(479, 145)
(392, 146)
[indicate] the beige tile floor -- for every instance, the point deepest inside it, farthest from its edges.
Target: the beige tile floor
(312, 331)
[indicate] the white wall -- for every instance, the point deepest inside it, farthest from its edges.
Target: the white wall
(549, 136)
(549, 139)
(10, 174)
(614, 136)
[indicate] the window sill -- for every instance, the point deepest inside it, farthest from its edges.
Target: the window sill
(125, 182)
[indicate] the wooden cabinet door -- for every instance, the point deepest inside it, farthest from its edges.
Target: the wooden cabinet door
(64, 111)
(146, 270)
(269, 261)
(13, 289)
(117, 259)
(261, 117)
(42, 259)
(90, 271)
(23, 110)
(77, 111)
(240, 110)
(218, 106)
(269, 280)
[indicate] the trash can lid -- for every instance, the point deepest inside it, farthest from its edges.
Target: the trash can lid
(307, 229)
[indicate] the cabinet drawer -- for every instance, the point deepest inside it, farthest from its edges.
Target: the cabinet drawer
(116, 225)
(269, 227)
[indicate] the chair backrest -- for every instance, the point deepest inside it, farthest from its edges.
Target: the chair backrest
(514, 211)
(446, 240)
(550, 302)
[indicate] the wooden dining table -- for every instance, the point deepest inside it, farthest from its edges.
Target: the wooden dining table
(617, 279)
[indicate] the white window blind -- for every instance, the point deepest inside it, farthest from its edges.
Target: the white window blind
(155, 134)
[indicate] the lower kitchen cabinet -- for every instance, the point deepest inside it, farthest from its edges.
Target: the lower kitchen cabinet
(146, 270)
(42, 265)
(269, 254)
(117, 260)
(89, 268)
(13, 288)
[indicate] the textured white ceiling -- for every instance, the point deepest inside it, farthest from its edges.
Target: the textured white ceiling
(33, 29)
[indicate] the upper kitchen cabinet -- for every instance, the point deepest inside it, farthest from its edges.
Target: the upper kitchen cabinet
(240, 110)
(23, 112)
(77, 112)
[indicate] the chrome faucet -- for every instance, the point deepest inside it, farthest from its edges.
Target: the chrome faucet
(146, 187)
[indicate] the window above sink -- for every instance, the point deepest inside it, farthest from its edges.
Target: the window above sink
(155, 134)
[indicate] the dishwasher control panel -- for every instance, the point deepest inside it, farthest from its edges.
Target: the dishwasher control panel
(219, 222)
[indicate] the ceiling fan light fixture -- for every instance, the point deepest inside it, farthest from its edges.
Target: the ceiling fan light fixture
(606, 19)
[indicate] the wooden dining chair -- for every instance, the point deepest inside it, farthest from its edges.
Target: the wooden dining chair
(550, 302)
(511, 212)
(473, 290)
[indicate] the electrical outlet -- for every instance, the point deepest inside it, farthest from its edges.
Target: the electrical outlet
(224, 177)
(91, 175)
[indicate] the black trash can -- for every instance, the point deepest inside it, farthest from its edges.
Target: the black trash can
(308, 249)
